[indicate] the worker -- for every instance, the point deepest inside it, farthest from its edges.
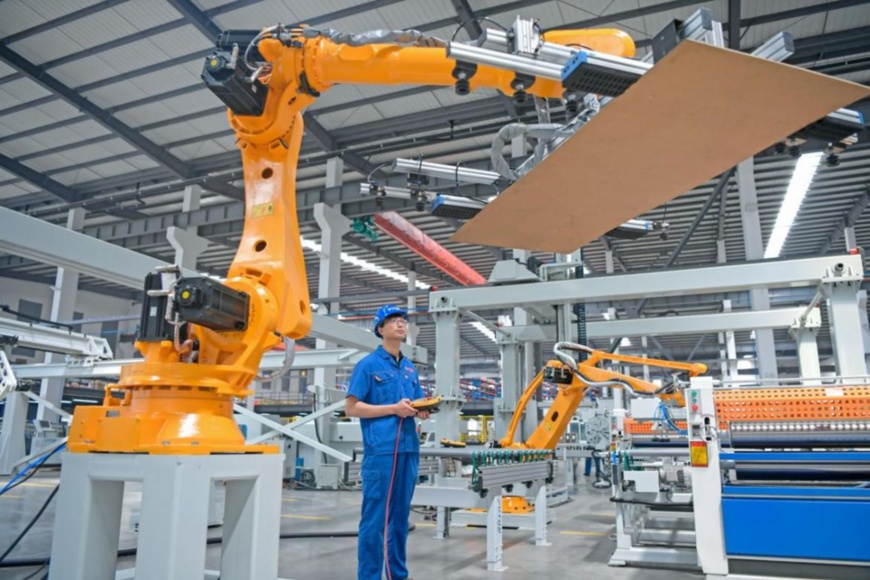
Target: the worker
(381, 389)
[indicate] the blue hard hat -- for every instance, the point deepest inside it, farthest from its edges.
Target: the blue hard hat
(385, 312)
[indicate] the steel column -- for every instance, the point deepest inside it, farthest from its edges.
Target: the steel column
(865, 326)
(804, 331)
(847, 335)
(187, 244)
(413, 328)
(764, 343)
(63, 302)
(333, 226)
(447, 371)
(12, 447)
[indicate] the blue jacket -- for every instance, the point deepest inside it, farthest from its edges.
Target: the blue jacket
(379, 380)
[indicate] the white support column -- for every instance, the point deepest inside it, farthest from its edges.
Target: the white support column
(721, 254)
(759, 297)
(541, 517)
(494, 541)
(63, 303)
(191, 201)
(447, 372)
(187, 244)
(644, 342)
(413, 327)
(334, 172)
(733, 372)
(804, 331)
(850, 238)
(608, 261)
(846, 333)
(12, 434)
(865, 326)
(512, 389)
(333, 226)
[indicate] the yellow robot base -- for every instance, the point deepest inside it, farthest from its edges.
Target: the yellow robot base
(166, 419)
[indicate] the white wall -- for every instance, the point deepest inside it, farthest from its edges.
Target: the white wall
(90, 304)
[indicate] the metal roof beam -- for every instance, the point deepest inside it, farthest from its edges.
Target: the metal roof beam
(848, 220)
(801, 12)
(198, 18)
(47, 81)
(58, 22)
(475, 346)
(628, 14)
(38, 179)
(329, 145)
(123, 294)
(734, 24)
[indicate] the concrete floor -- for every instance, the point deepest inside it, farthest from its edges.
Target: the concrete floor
(580, 537)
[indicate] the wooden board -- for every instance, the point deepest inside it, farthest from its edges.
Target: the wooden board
(697, 113)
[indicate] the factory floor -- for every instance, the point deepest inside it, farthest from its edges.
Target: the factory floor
(580, 537)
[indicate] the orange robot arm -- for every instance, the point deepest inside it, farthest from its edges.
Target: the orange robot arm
(207, 348)
(299, 69)
(573, 380)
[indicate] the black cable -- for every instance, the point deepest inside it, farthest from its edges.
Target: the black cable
(30, 562)
(30, 525)
(28, 476)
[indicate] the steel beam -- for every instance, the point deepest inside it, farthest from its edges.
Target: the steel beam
(39, 240)
(718, 191)
(670, 325)
(38, 179)
(289, 432)
(198, 18)
(272, 361)
(734, 24)
(151, 149)
(801, 12)
(727, 278)
(848, 220)
(132, 295)
(329, 145)
(51, 339)
(55, 23)
(347, 335)
(629, 14)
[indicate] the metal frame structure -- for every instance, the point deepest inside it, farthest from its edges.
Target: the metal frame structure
(445, 492)
(838, 276)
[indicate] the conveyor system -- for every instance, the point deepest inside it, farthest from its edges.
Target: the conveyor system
(788, 484)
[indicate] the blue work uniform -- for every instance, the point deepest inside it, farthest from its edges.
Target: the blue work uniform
(379, 379)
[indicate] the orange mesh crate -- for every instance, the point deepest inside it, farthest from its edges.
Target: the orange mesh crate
(782, 404)
(793, 404)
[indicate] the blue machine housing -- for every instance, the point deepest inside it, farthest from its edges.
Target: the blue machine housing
(797, 522)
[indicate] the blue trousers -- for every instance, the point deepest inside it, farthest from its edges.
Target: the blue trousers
(376, 472)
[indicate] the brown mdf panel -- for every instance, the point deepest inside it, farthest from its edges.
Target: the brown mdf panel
(697, 113)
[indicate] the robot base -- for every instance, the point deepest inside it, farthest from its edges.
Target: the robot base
(175, 509)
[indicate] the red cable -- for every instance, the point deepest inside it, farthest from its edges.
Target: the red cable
(389, 495)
